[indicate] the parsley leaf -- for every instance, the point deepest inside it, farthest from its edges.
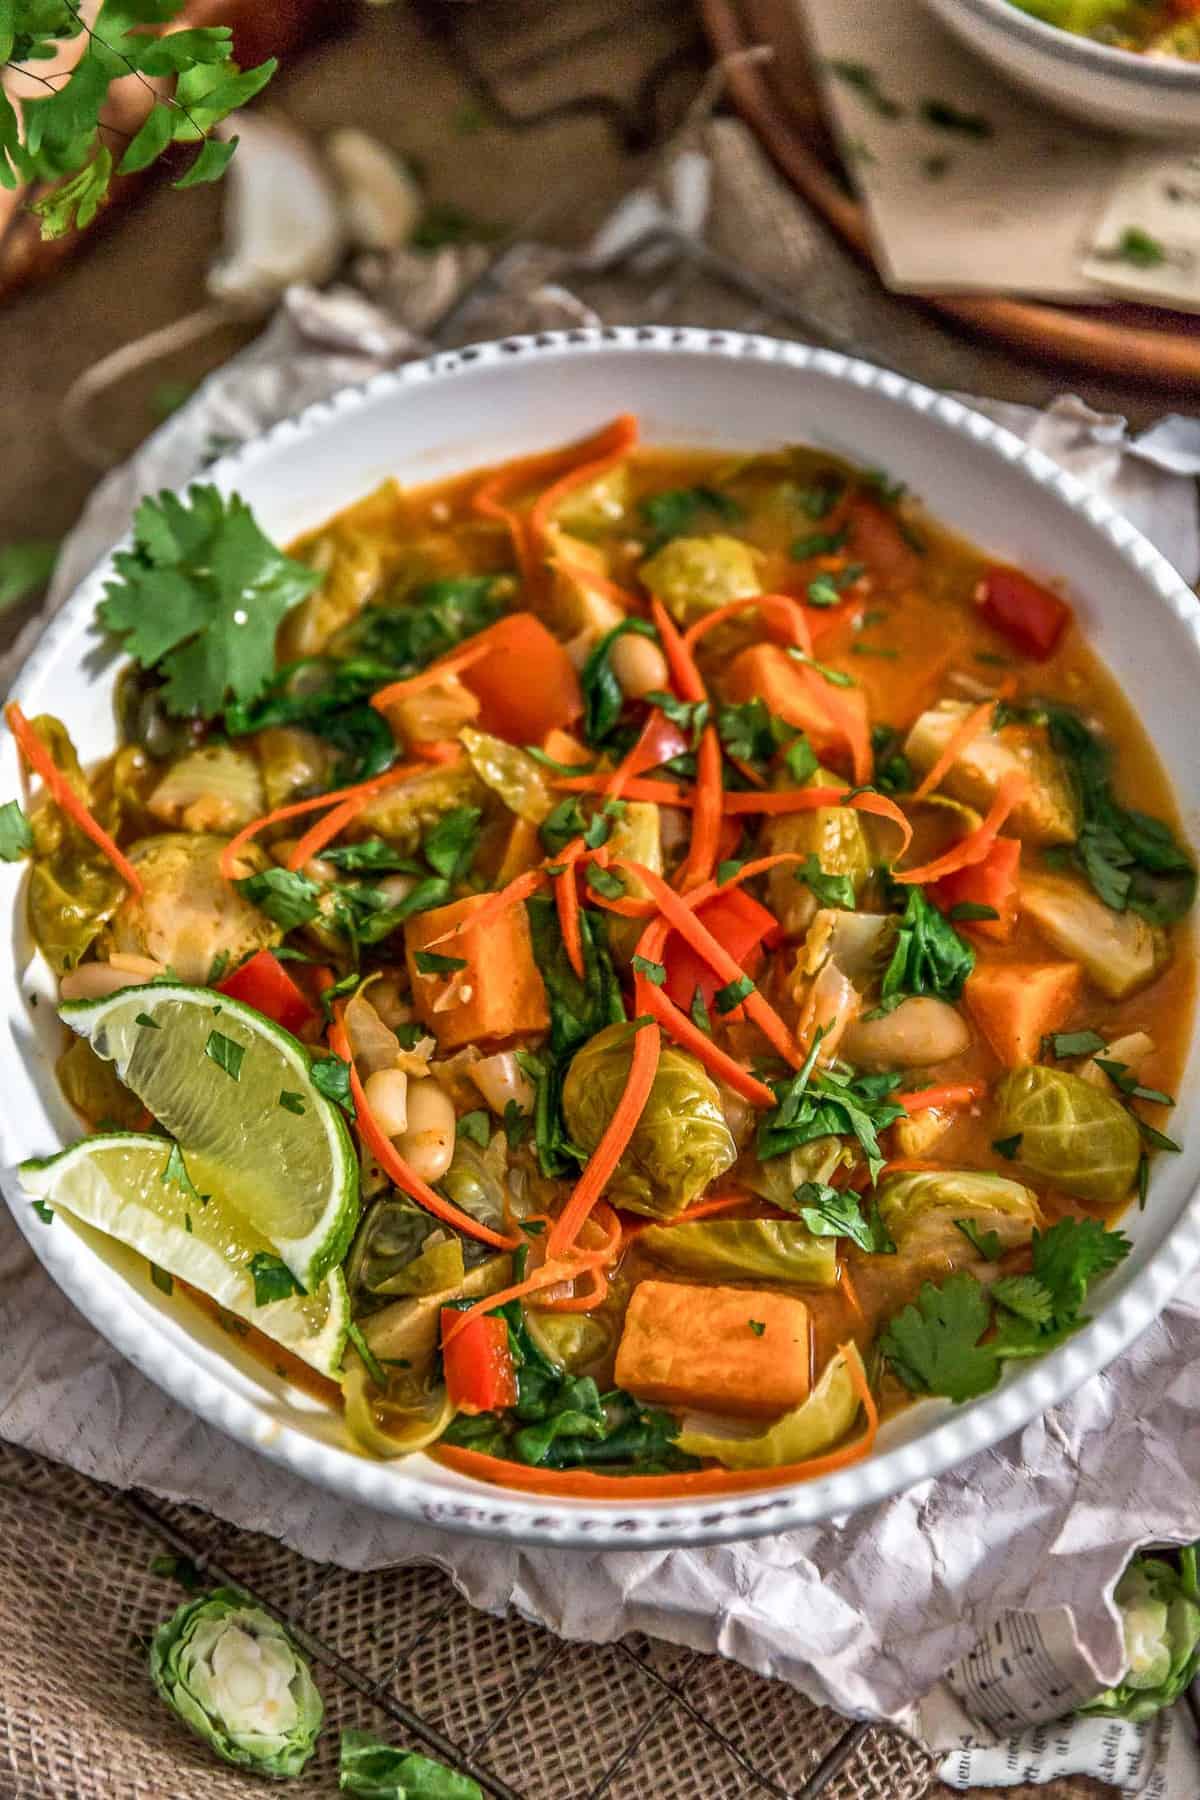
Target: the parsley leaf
(227, 1054)
(893, 771)
(677, 512)
(200, 597)
(830, 890)
(930, 957)
(293, 1103)
(654, 972)
(934, 1346)
(16, 838)
(837, 1212)
(273, 1280)
(331, 1078)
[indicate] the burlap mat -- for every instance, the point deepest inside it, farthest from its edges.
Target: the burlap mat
(80, 1721)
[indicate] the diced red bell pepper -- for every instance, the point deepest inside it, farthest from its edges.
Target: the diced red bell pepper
(992, 882)
(663, 741)
(526, 685)
(265, 984)
(740, 925)
(480, 1376)
(1031, 617)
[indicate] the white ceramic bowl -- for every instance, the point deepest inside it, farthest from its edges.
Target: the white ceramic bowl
(1116, 90)
(690, 387)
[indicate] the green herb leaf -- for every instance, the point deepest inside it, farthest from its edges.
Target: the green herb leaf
(830, 890)
(1060, 1044)
(835, 677)
(815, 1103)
(293, 1103)
(1071, 1255)
(449, 847)
(934, 1346)
(200, 597)
(146, 1022)
(732, 994)
(963, 912)
(819, 543)
(331, 1078)
(176, 1173)
(16, 838)
(653, 971)
(987, 1243)
(837, 1212)
(608, 882)
(517, 1125)
(1025, 1296)
(756, 1326)
(678, 512)
(45, 1213)
(947, 117)
(227, 1054)
(1137, 247)
(430, 962)
(699, 1013)
(273, 1280)
(1008, 1147)
(284, 895)
(930, 957)
(161, 1279)
(751, 732)
(603, 695)
(475, 1127)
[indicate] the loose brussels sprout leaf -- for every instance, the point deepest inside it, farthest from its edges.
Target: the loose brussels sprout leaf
(1048, 814)
(399, 1249)
(778, 1178)
(637, 834)
(835, 836)
(576, 1341)
(214, 788)
(718, 1249)
(821, 1422)
(476, 1180)
(1071, 1133)
(386, 1429)
(73, 888)
(695, 575)
(375, 1771)
(510, 773)
(1119, 950)
(680, 1144)
(596, 507)
(920, 1211)
(236, 1678)
(92, 1087)
(1160, 1620)
(188, 914)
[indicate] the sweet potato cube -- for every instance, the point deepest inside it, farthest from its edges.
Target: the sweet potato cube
(498, 994)
(1016, 1004)
(702, 1347)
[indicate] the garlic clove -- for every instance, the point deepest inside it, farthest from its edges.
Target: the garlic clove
(282, 220)
(381, 201)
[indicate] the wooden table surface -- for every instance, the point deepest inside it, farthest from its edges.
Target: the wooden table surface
(147, 269)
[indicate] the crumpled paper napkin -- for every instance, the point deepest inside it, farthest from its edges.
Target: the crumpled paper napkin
(867, 1613)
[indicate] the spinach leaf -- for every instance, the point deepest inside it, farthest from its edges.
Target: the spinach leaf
(930, 957)
(603, 695)
(831, 1102)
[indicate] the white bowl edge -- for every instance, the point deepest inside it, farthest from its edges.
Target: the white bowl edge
(928, 1440)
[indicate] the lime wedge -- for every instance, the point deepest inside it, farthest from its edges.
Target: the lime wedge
(235, 1091)
(138, 1189)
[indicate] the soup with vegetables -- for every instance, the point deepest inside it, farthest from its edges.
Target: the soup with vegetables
(1160, 27)
(620, 970)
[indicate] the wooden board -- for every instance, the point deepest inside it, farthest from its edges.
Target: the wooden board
(779, 100)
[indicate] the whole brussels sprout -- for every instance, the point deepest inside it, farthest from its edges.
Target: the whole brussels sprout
(680, 1144)
(1160, 1620)
(920, 1210)
(187, 913)
(1071, 1133)
(234, 1676)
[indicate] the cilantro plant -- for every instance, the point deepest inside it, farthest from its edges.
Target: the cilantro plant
(58, 137)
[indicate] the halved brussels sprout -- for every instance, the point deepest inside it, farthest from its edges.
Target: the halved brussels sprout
(351, 560)
(919, 1210)
(294, 763)
(402, 815)
(778, 1178)
(518, 780)
(404, 1335)
(823, 1420)
(1120, 951)
(835, 836)
(399, 1249)
(387, 1427)
(637, 834)
(1071, 1134)
(73, 888)
(680, 1144)
(477, 1180)
(695, 575)
(597, 506)
(576, 606)
(576, 1341)
(189, 914)
(1048, 814)
(779, 1249)
(214, 788)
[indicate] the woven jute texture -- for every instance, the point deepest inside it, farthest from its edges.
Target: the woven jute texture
(79, 1719)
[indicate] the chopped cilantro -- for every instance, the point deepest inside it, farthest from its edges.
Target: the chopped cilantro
(830, 890)
(835, 677)
(161, 1279)
(226, 1054)
(475, 1127)
(699, 1013)
(430, 962)
(331, 1078)
(677, 512)
(838, 1212)
(293, 1103)
(654, 972)
(284, 895)
(987, 1243)
(819, 543)
(1008, 1147)
(863, 79)
(757, 1326)
(16, 838)
(45, 1213)
(148, 1024)
(732, 994)
(273, 1280)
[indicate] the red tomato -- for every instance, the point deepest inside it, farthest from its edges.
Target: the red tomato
(265, 984)
(992, 882)
(526, 685)
(740, 925)
(478, 1363)
(1030, 616)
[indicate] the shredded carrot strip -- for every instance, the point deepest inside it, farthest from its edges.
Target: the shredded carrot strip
(604, 1218)
(325, 830)
(64, 796)
(566, 902)
(687, 678)
(850, 721)
(585, 1484)
(780, 610)
(976, 722)
(706, 816)
(619, 439)
(851, 1293)
(705, 1209)
(612, 1146)
(438, 750)
(680, 916)
(548, 1275)
(394, 1165)
(684, 1032)
(664, 793)
(523, 471)
(812, 800)
(473, 651)
(587, 1301)
(518, 890)
(960, 1093)
(975, 845)
(378, 784)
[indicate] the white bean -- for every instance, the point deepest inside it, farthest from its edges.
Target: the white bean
(639, 666)
(93, 980)
(500, 1079)
(427, 1143)
(387, 1096)
(395, 888)
(919, 1033)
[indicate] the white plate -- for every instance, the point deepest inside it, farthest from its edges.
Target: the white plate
(690, 387)
(1114, 90)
